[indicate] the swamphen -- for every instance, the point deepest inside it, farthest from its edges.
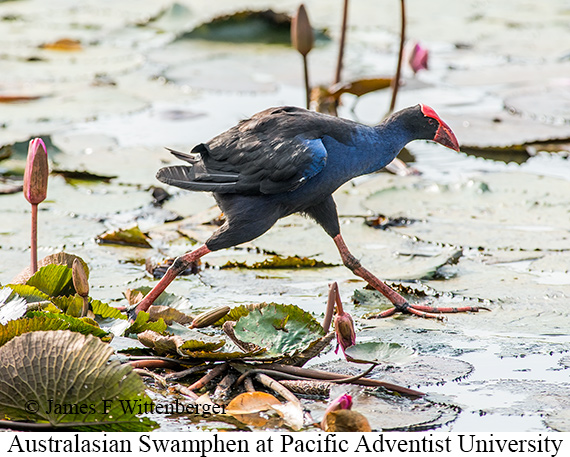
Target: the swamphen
(289, 160)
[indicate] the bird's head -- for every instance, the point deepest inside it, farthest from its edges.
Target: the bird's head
(432, 127)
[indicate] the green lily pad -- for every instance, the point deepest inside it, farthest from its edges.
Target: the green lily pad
(142, 323)
(71, 305)
(82, 325)
(29, 293)
(53, 280)
(130, 237)
(59, 258)
(277, 262)
(64, 379)
(18, 327)
(180, 344)
(378, 352)
(104, 310)
(238, 312)
(283, 330)
(245, 26)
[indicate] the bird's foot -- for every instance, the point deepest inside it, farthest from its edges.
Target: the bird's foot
(430, 312)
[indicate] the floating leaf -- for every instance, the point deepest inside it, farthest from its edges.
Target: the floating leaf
(276, 262)
(247, 407)
(83, 325)
(18, 327)
(130, 237)
(360, 87)
(245, 26)
(63, 44)
(346, 420)
(240, 311)
(104, 310)
(68, 381)
(178, 345)
(281, 329)
(164, 299)
(70, 305)
(142, 323)
(53, 280)
(559, 420)
(378, 352)
(74, 176)
(59, 258)
(17, 98)
(169, 315)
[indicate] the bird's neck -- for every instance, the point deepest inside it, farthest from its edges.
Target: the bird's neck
(385, 142)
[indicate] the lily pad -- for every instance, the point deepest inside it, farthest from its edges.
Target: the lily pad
(283, 330)
(164, 299)
(53, 280)
(169, 315)
(559, 420)
(245, 26)
(82, 325)
(378, 352)
(276, 262)
(192, 341)
(59, 258)
(130, 237)
(246, 407)
(104, 310)
(142, 323)
(64, 379)
(18, 327)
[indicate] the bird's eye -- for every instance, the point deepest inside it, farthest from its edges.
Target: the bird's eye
(431, 121)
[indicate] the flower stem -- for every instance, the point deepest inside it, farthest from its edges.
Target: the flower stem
(307, 87)
(342, 42)
(396, 80)
(34, 241)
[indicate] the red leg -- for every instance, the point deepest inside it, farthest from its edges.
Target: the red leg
(399, 302)
(178, 266)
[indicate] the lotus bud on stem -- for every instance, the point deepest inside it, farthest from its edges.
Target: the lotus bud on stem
(340, 418)
(302, 39)
(343, 324)
(81, 284)
(35, 189)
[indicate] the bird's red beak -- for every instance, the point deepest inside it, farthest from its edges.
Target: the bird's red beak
(446, 137)
(444, 134)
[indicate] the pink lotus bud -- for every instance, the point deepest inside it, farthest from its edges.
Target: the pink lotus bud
(36, 173)
(340, 403)
(302, 37)
(419, 58)
(344, 329)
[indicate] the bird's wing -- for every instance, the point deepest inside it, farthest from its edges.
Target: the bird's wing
(277, 150)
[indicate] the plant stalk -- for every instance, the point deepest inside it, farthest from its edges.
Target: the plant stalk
(396, 80)
(307, 87)
(34, 241)
(341, 44)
